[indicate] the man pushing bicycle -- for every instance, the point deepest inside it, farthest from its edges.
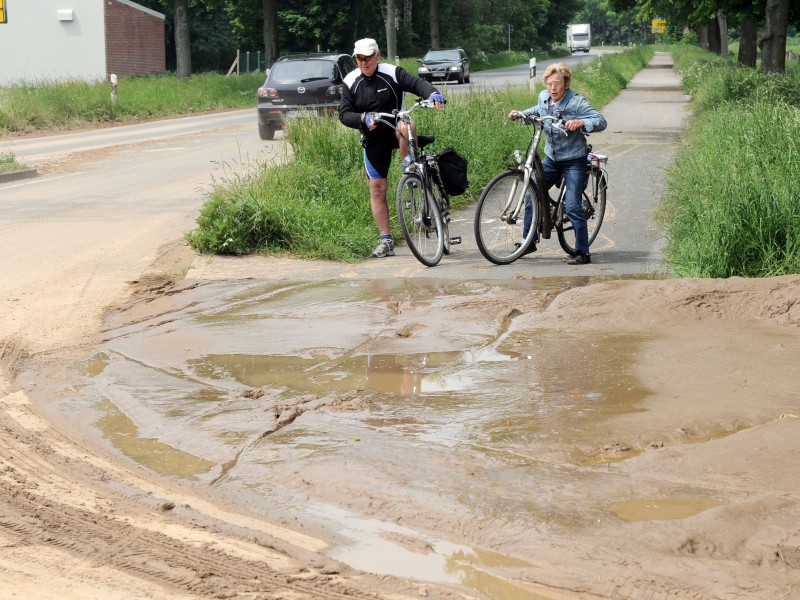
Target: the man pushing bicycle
(380, 87)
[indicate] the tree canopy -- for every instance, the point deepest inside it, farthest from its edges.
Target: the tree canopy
(217, 28)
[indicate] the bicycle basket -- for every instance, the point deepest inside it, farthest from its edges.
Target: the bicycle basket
(453, 171)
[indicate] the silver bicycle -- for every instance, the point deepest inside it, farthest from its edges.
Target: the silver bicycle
(514, 206)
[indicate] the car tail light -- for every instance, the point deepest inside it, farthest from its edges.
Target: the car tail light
(334, 90)
(267, 92)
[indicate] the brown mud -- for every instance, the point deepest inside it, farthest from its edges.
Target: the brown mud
(406, 438)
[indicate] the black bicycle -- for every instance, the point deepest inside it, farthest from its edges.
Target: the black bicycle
(503, 230)
(423, 205)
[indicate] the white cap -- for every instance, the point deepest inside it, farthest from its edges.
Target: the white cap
(366, 47)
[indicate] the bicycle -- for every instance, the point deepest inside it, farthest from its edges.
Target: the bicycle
(423, 205)
(500, 214)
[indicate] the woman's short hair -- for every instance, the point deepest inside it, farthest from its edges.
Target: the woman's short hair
(561, 69)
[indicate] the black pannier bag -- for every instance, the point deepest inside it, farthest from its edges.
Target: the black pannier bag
(453, 170)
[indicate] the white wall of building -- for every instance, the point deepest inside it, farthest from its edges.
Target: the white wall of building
(37, 45)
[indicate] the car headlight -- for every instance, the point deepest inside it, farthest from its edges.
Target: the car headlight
(455, 68)
(423, 70)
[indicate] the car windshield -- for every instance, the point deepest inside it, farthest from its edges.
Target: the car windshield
(442, 55)
(297, 71)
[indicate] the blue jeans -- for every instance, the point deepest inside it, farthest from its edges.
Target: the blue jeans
(574, 172)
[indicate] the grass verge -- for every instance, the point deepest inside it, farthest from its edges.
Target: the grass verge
(732, 206)
(62, 105)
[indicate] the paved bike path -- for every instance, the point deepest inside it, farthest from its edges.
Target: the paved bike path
(645, 122)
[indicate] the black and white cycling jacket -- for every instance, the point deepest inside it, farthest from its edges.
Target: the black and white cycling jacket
(382, 92)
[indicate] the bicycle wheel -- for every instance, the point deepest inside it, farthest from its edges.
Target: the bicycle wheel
(420, 220)
(594, 207)
(500, 217)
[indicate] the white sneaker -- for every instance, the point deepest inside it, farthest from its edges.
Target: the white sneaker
(384, 248)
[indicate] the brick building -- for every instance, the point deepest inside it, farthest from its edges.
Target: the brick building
(53, 40)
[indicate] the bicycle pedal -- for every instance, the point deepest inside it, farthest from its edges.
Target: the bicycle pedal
(455, 239)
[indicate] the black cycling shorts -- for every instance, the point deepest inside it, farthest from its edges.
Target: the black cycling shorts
(378, 156)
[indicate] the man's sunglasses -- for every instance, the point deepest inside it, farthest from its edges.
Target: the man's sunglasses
(362, 58)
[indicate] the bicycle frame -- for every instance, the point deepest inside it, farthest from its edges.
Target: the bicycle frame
(391, 119)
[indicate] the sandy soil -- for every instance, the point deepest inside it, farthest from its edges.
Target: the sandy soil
(721, 361)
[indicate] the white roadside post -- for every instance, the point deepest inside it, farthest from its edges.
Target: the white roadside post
(532, 74)
(113, 88)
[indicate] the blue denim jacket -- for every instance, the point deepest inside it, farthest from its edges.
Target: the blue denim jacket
(571, 106)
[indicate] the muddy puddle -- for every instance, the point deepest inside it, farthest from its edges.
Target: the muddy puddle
(413, 422)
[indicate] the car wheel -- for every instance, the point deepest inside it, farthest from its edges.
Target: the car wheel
(266, 132)
(466, 78)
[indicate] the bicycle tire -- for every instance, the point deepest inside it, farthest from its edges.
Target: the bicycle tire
(499, 239)
(421, 220)
(594, 206)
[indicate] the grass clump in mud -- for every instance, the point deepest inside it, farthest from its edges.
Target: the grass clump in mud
(732, 206)
(8, 162)
(317, 204)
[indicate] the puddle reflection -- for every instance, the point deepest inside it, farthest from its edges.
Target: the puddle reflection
(151, 453)
(419, 373)
(389, 549)
(660, 509)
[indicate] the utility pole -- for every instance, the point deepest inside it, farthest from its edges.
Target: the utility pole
(510, 29)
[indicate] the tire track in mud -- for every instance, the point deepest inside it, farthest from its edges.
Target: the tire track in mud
(51, 499)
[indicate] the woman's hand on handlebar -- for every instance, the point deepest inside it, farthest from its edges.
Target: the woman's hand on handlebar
(574, 124)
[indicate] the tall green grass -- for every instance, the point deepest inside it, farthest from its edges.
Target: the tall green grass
(317, 205)
(732, 206)
(51, 105)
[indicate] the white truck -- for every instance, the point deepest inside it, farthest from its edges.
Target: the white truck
(579, 37)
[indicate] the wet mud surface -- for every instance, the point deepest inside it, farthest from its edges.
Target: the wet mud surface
(517, 440)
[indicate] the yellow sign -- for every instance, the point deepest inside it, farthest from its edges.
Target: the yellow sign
(659, 25)
(2, 11)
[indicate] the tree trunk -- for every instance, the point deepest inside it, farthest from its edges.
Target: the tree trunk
(722, 21)
(271, 47)
(713, 36)
(702, 36)
(747, 44)
(183, 46)
(436, 39)
(773, 44)
(391, 30)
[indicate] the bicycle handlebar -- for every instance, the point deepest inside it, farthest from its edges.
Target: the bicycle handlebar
(399, 114)
(518, 115)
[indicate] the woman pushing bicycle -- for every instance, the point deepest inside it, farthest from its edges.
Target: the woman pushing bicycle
(566, 147)
(380, 87)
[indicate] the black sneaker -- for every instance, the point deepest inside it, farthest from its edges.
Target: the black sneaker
(580, 259)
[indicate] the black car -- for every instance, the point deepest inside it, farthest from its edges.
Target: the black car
(301, 84)
(446, 64)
